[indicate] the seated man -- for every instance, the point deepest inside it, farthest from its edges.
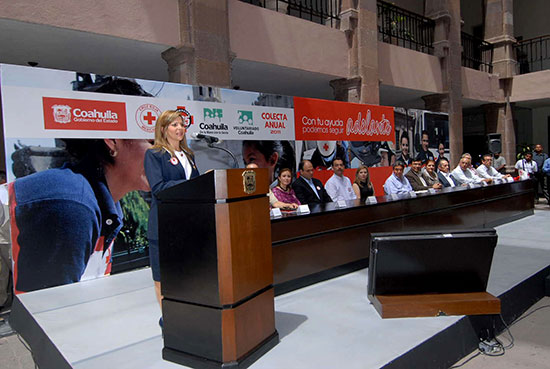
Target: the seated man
(464, 176)
(486, 170)
(397, 183)
(339, 186)
(309, 190)
(417, 181)
(444, 175)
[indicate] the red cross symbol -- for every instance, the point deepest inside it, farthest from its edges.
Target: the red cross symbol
(325, 147)
(150, 118)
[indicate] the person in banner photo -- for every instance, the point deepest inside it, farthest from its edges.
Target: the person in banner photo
(273, 155)
(404, 146)
(371, 153)
(169, 162)
(64, 220)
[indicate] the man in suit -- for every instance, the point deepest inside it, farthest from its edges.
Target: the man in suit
(443, 174)
(417, 181)
(309, 190)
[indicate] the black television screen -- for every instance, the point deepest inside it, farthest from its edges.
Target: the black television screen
(430, 262)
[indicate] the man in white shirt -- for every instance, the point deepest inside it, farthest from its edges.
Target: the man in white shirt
(486, 170)
(397, 183)
(527, 167)
(339, 186)
(444, 175)
(464, 175)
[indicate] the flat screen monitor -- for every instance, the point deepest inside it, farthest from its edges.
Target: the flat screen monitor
(407, 263)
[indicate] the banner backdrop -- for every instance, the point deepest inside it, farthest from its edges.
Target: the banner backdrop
(335, 120)
(75, 144)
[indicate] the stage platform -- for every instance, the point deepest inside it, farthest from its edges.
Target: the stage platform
(113, 322)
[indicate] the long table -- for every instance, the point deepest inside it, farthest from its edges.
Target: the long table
(332, 240)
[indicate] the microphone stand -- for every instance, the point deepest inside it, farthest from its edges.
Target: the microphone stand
(210, 143)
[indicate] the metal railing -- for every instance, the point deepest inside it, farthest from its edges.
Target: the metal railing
(476, 53)
(404, 28)
(319, 11)
(533, 54)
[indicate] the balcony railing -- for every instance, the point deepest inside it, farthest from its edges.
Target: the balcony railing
(404, 28)
(476, 53)
(319, 11)
(533, 55)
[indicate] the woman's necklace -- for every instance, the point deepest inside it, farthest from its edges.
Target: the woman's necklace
(281, 187)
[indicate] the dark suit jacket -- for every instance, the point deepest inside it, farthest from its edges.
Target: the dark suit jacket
(305, 193)
(415, 182)
(161, 174)
(444, 181)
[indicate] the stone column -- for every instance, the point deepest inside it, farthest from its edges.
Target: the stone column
(204, 56)
(499, 30)
(358, 19)
(448, 48)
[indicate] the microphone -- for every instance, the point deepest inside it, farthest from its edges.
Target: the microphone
(207, 138)
(211, 140)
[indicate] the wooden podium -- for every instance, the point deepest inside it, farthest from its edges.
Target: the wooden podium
(217, 270)
(432, 273)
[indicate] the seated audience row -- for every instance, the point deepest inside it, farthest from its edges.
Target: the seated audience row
(419, 179)
(309, 190)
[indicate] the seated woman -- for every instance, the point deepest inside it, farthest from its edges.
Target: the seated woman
(283, 196)
(430, 176)
(362, 186)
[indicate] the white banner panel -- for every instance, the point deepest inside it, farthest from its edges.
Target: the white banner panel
(31, 111)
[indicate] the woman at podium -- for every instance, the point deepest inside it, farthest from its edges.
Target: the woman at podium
(169, 162)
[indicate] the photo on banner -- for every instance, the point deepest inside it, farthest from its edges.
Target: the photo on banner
(71, 203)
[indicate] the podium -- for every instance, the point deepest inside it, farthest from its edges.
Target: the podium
(217, 270)
(434, 273)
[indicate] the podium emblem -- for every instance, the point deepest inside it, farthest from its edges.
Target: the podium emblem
(249, 181)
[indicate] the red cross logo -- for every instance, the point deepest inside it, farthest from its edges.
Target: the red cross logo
(150, 118)
(146, 117)
(325, 147)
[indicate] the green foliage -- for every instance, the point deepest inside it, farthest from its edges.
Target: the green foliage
(522, 149)
(397, 24)
(133, 234)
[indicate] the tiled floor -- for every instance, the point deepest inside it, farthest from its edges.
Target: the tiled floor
(531, 348)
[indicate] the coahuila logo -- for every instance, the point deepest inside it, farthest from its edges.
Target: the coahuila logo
(246, 123)
(245, 117)
(213, 120)
(61, 113)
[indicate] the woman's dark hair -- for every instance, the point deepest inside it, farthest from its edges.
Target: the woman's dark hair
(285, 151)
(94, 151)
(284, 170)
